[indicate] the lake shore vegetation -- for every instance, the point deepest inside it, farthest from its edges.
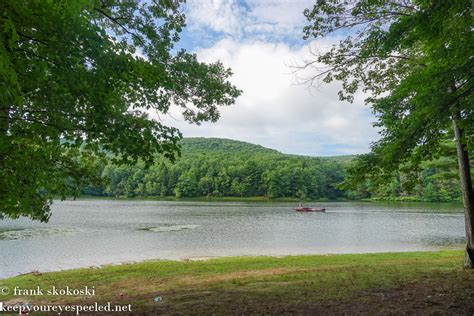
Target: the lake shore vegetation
(223, 169)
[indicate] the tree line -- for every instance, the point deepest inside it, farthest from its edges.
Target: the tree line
(218, 167)
(221, 168)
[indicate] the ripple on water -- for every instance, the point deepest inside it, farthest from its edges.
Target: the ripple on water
(32, 233)
(169, 228)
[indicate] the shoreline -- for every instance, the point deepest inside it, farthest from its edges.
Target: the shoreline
(262, 199)
(445, 248)
(430, 282)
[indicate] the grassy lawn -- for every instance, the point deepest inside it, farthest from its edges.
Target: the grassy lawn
(417, 282)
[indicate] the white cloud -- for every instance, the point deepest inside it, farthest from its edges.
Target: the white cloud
(284, 15)
(276, 113)
(263, 19)
(218, 15)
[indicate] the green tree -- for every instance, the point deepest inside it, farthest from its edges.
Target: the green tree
(414, 59)
(86, 72)
(237, 188)
(252, 178)
(187, 185)
(205, 186)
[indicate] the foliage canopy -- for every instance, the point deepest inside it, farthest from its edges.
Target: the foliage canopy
(222, 167)
(88, 72)
(413, 59)
(213, 167)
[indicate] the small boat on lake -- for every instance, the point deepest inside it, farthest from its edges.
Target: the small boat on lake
(309, 209)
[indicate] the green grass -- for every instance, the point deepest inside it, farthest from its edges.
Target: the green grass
(239, 285)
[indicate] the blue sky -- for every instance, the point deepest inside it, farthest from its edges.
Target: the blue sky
(260, 40)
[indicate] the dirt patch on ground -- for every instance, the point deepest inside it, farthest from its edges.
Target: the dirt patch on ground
(445, 294)
(417, 298)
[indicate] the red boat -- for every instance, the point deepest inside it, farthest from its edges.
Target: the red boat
(309, 209)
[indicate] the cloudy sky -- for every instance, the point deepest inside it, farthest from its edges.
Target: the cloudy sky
(259, 40)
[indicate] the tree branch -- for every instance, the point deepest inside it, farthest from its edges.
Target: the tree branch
(115, 20)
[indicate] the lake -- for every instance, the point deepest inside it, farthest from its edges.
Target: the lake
(94, 232)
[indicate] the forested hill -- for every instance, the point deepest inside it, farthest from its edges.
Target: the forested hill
(195, 145)
(215, 167)
(223, 167)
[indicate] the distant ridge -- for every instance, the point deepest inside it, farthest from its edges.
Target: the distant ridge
(195, 145)
(226, 168)
(217, 167)
(222, 145)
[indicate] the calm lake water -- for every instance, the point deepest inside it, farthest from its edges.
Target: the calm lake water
(94, 232)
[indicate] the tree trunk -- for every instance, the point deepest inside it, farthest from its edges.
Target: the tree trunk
(466, 188)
